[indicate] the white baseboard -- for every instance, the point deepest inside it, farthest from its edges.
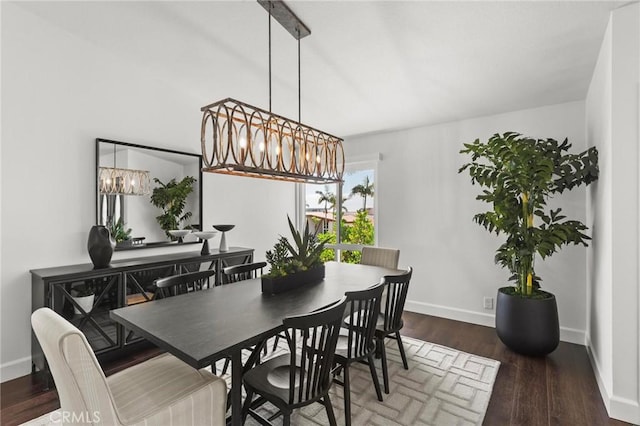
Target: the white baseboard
(617, 408)
(567, 334)
(14, 369)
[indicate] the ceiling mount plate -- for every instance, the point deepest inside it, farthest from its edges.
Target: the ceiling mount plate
(286, 18)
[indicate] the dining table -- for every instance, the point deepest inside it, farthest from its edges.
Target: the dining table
(205, 326)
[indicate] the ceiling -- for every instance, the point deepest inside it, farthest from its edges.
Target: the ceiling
(368, 66)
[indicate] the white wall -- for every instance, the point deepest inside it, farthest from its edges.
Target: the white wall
(425, 208)
(613, 111)
(59, 93)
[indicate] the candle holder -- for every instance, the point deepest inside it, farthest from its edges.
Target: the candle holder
(223, 239)
(205, 236)
(179, 234)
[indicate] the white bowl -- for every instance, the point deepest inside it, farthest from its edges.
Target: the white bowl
(204, 235)
(179, 232)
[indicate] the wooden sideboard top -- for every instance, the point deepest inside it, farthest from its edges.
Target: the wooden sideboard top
(117, 266)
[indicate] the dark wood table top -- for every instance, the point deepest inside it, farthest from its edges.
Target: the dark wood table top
(203, 326)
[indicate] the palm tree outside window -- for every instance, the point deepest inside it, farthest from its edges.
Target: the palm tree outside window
(357, 208)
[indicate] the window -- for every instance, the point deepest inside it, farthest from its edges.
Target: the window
(353, 204)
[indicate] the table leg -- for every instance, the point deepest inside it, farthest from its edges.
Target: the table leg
(236, 388)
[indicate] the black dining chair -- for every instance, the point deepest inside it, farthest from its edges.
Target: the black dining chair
(187, 283)
(390, 318)
(303, 376)
(183, 283)
(356, 342)
(241, 272)
(244, 271)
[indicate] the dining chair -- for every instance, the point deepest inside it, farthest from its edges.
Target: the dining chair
(183, 283)
(161, 391)
(302, 376)
(390, 318)
(187, 283)
(356, 341)
(244, 271)
(241, 272)
(380, 256)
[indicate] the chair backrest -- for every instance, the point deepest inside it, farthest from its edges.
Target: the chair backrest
(80, 382)
(312, 342)
(396, 287)
(244, 271)
(379, 256)
(183, 283)
(363, 308)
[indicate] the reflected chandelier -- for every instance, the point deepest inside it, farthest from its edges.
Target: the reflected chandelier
(118, 181)
(240, 139)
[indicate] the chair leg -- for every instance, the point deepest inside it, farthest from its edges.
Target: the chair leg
(347, 395)
(330, 414)
(385, 373)
(374, 376)
(286, 419)
(401, 347)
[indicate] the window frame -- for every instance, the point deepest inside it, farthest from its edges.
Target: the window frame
(365, 162)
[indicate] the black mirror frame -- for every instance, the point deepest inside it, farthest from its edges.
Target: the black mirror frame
(133, 145)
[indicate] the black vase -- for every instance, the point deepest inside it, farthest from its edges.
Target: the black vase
(100, 246)
(527, 326)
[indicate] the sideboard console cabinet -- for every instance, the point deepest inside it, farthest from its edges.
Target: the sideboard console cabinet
(123, 283)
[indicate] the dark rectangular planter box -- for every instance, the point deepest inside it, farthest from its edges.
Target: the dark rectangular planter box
(292, 281)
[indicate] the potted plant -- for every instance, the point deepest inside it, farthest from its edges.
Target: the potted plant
(120, 233)
(171, 198)
(83, 294)
(293, 265)
(517, 175)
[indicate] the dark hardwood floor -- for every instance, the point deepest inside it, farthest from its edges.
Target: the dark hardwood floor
(557, 390)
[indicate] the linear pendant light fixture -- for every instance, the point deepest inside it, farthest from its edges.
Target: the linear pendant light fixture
(241, 139)
(119, 181)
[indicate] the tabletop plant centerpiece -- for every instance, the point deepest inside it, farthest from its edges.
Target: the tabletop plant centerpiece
(518, 175)
(171, 198)
(294, 265)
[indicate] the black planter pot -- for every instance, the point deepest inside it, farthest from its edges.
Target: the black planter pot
(292, 281)
(527, 326)
(100, 246)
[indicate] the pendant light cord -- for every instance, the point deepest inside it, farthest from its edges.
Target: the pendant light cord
(299, 96)
(270, 6)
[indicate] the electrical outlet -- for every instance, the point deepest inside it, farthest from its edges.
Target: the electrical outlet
(488, 302)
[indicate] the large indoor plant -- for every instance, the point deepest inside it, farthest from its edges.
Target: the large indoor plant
(294, 264)
(171, 198)
(518, 174)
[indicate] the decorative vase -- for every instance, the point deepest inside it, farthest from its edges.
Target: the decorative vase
(527, 326)
(85, 302)
(223, 238)
(275, 285)
(100, 246)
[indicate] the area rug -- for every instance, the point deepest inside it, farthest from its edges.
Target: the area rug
(443, 386)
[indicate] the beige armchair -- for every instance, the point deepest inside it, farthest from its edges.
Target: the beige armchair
(160, 391)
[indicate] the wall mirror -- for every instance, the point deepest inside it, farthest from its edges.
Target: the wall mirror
(126, 176)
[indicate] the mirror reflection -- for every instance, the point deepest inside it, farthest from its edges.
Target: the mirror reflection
(144, 194)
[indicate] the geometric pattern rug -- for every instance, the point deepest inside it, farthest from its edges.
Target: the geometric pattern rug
(443, 386)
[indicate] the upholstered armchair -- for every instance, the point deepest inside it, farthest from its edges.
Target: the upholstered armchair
(160, 391)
